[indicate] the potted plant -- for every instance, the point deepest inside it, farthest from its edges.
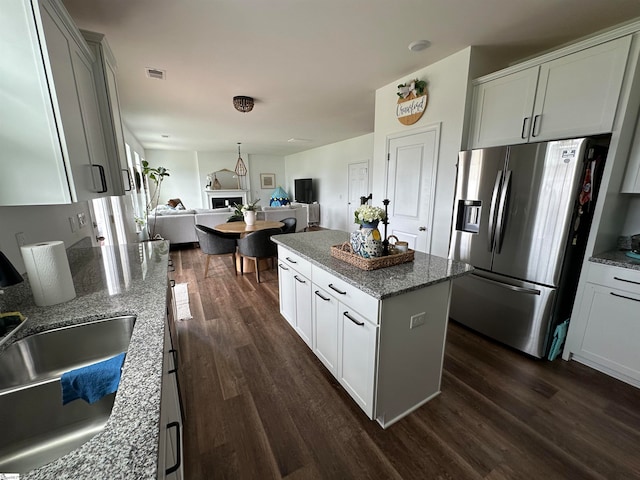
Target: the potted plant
(369, 216)
(156, 175)
(249, 212)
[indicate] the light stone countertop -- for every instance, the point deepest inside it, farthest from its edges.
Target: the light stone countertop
(382, 283)
(112, 281)
(616, 258)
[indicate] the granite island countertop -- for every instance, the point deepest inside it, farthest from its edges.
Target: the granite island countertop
(112, 281)
(616, 258)
(386, 282)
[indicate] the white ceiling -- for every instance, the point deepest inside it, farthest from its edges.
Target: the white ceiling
(312, 65)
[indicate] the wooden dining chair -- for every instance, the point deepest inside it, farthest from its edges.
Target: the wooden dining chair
(258, 245)
(214, 243)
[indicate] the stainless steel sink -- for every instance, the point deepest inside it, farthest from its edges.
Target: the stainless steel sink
(36, 428)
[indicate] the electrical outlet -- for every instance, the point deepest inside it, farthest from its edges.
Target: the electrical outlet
(82, 219)
(417, 320)
(21, 239)
(73, 221)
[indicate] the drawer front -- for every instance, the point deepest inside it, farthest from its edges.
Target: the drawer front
(346, 293)
(295, 261)
(615, 277)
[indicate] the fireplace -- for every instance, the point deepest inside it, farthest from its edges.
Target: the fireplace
(224, 198)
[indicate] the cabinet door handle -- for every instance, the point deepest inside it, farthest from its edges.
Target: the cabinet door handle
(174, 352)
(103, 178)
(535, 124)
(625, 280)
(623, 296)
(171, 268)
(282, 266)
(360, 324)
(322, 297)
(296, 277)
(290, 260)
(524, 132)
(172, 283)
(336, 290)
(174, 468)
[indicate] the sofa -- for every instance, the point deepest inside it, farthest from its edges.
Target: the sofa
(177, 226)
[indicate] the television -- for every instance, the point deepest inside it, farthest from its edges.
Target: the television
(304, 190)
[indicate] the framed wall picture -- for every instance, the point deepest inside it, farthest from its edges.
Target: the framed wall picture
(267, 180)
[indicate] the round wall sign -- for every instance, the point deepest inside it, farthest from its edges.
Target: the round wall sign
(410, 109)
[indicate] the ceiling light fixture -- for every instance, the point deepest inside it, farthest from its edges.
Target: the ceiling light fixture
(243, 104)
(241, 169)
(419, 45)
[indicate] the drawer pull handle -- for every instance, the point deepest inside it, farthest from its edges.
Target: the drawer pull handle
(290, 260)
(282, 267)
(623, 296)
(625, 280)
(322, 297)
(296, 277)
(360, 324)
(336, 290)
(172, 283)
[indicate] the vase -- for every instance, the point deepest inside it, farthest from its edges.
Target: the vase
(250, 217)
(367, 241)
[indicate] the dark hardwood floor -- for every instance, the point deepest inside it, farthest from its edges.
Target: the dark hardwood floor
(259, 405)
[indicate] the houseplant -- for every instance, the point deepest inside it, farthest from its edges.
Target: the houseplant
(156, 176)
(249, 212)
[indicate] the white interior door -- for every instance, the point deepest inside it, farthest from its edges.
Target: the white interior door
(358, 187)
(411, 184)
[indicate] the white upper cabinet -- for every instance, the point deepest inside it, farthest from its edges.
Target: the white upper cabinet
(104, 69)
(570, 96)
(55, 147)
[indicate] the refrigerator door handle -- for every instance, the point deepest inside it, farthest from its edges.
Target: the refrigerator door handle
(492, 212)
(514, 288)
(502, 211)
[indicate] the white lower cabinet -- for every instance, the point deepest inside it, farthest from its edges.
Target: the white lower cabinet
(387, 354)
(170, 456)
(605, 333)
(357, 342)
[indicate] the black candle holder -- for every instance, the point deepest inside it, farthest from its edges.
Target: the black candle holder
(385, 242)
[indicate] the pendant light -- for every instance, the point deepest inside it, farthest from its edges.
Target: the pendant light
(241, 169)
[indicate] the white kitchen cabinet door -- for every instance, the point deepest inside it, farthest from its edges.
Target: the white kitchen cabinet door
(287, 293)
(612, 334)
(325, 329)
(357, 357)
(304, 322)
(578, 94)
(502, 110)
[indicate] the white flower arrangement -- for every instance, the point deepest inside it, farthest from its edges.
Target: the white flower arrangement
(250, 207)
(368, 214)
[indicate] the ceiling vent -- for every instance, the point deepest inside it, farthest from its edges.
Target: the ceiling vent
(156, 73)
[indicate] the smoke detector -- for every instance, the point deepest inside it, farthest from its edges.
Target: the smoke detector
(156, 73)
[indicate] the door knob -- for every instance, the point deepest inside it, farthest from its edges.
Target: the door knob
(422, 229)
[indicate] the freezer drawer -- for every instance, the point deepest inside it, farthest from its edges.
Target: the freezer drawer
(515, 313)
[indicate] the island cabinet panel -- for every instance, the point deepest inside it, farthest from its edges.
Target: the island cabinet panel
(295, 293)
(357, 342)
(325, 329)
(303, 308)
(287, 293)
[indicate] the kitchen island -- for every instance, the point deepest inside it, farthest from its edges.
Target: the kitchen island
(381, 333)
(113, 281)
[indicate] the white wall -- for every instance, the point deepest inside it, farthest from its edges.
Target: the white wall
(447, 88)
(183, 180)
(266, 164)
(329, 168)
(40, 223)
(632, 223)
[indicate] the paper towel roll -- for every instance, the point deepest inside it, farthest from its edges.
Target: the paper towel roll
(49, 273)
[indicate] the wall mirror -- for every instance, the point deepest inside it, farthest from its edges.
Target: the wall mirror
(224, 179)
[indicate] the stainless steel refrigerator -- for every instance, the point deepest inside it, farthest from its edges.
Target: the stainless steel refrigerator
(521, 217)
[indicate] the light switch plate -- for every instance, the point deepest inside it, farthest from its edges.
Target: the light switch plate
(73, 221)
(418, 319)
(82, 219)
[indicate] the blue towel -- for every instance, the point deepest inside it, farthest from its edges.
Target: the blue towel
(92, 382)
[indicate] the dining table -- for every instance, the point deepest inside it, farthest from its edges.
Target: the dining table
(243, 229)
